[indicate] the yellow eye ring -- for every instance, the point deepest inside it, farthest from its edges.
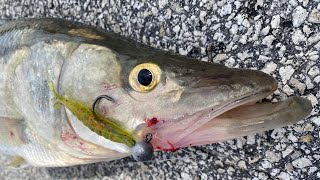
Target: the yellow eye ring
(145, 77)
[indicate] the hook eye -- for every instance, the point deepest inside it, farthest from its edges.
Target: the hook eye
(99, 98)
(148, 137)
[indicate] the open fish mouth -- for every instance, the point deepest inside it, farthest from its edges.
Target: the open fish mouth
(235, 118)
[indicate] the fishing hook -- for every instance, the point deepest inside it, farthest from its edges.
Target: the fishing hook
(99, 98)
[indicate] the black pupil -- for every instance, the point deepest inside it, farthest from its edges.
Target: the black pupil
(145, 77)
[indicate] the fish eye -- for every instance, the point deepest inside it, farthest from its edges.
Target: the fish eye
(145, 77)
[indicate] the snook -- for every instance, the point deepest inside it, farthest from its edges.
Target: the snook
(180, 101)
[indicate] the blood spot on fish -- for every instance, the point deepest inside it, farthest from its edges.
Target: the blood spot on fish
(172, 148)
(70, 138)
(66, 136)
(151, 122)
(158, 147)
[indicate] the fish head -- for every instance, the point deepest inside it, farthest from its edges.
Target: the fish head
(181, 102)
(187, 96)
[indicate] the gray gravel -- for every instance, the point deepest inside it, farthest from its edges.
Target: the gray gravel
(281, 38)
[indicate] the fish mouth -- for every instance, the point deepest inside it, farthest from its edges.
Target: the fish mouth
(249, 119)
(234, 118)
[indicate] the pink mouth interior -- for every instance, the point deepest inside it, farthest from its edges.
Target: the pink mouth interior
(170, 135)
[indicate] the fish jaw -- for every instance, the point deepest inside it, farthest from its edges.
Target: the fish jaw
(239, 121)
(249, 119)
(206, 125)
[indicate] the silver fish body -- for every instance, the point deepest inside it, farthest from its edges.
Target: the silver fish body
(191, 102)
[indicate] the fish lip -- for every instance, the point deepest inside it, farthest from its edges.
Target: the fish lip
(167, 140)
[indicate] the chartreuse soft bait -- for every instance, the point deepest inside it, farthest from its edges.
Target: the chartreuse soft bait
(98, 124)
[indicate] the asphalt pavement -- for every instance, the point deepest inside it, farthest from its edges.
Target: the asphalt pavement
(281, 38)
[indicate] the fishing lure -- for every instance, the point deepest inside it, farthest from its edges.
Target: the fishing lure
(94, 121)
(141, 151)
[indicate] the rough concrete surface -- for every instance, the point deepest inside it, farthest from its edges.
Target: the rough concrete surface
(280, 37)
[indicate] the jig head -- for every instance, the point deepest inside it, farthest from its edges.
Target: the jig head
(143, 150)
